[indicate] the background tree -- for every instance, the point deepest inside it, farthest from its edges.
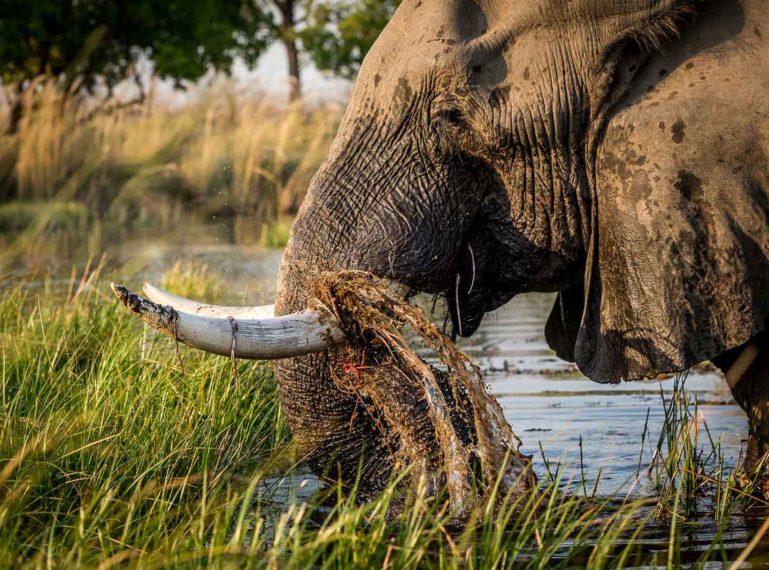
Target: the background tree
(339, 34)
(334, 34)
(88, 39)
(91, 40)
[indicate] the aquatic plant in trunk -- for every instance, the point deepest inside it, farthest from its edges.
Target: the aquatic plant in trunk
(467, 424)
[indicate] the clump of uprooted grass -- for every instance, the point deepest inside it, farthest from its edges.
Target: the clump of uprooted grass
(111, 453)
(468, 423)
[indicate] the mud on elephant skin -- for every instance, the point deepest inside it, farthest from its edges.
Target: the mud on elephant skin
(615, 152)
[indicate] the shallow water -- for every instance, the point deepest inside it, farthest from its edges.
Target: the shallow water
(549, 401)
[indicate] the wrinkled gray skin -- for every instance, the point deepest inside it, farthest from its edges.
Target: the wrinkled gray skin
(616, 152)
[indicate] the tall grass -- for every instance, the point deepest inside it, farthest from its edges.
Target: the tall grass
(225, 153)
(105, 441)
(116, 450)
(688, 467)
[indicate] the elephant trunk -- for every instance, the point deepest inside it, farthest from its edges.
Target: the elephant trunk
(331, 426)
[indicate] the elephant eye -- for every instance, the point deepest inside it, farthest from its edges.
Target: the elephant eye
(451, 116)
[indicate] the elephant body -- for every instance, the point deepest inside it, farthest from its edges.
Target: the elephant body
(615, 152)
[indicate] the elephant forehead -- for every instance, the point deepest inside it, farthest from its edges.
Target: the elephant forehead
(423, 36)
(418, 20)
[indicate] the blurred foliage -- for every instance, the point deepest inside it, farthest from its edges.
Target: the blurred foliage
(84, 41)
(339, 33)
(90, 39)
(334, 34)
(228, 159)
(70, 162)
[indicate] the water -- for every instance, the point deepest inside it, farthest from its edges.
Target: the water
(549, 402)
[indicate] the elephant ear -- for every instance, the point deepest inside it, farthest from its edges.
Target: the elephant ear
(678, 267)
(678, 263)
(562, 328)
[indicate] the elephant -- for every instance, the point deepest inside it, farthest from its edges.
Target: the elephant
(615, 152)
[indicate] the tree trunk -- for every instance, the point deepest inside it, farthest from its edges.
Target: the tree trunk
(295, 92)
(288, 36)
(15, 96)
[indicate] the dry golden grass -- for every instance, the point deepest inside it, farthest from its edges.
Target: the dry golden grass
(225, 153)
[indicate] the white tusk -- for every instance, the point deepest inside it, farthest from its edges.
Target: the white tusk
(163, 297)
(250, 338)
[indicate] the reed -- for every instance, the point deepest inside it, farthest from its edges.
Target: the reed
(224, 153)
(688, 468)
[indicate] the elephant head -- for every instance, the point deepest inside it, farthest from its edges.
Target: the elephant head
(465, 166)
(461, 168)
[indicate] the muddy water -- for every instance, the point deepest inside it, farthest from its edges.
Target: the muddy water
(548, 401)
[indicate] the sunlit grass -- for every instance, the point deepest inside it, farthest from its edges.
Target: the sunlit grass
(224, 155)
(114, 449)
(105, 441)
(688, 467)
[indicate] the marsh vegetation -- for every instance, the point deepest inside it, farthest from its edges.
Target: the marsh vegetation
(119, 448)
(71, 177)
